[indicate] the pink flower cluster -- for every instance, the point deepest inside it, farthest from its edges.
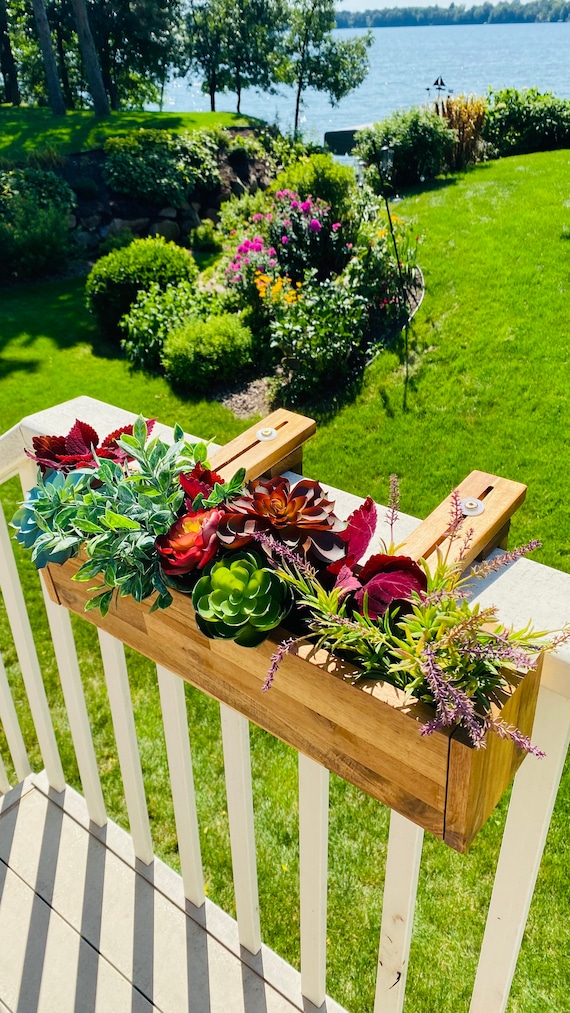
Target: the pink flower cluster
(250, 252)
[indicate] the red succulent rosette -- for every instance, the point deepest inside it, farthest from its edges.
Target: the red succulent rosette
(299, 516)
(77, 449)
(191, 542)
(386, 581)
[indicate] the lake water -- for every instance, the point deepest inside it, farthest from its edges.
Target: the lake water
(404, 62)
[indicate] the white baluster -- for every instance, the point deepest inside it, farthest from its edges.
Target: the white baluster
(27, 656)
(175, 720)
(72, 686)
(4, 782)
(114, 664)
(237, 763)
(11, 727)
(313, 848)
(400, 888)
(528, 819)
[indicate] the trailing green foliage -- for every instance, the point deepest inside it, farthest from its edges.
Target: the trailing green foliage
(161, 167)
(206, 352)
(115, 280)
(119, 540)
(422, 144)
(154, 313)
(519, 122)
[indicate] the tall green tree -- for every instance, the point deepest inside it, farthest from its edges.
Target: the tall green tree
(254, 37)
(90, 58)
(236, 44)
(7, 61)
(314, 59)
(44, 38)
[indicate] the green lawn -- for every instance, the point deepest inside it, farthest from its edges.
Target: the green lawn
(487, 389)
(25, 129)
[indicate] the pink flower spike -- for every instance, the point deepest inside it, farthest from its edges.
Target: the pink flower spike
(258, 217)
(272, 262)
(269, 217)
(306, 206)
(315, 225)
(336, 226)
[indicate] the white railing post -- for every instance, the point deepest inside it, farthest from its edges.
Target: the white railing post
(313, 854)
(400, 888)
(28, 658)
(528, 819)
(237, 764)
(114, 665)
(175, 721)
(4, 782)
(11, 727)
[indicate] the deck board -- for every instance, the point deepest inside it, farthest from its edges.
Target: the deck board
(84, 928)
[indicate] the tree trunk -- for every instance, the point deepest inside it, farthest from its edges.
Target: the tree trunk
(238, 90)
(298, 105)
(67, 92)
(7, 62)
(212, 86)
(44, 37)
(90, 59)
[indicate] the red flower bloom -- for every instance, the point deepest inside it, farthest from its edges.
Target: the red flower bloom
(199, 480)
(190, 543)
(299, 516)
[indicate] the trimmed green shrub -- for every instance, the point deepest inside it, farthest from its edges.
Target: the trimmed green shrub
(422, 143)
(34, 208)
(159, 167)
(116, 241)
(34, 240)
(43, 188)
(320, 176)
(206, 352)
(204, 238)
(519, 122)
(154, 314)
(115, 280)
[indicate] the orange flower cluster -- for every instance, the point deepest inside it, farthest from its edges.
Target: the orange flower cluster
(280, 289)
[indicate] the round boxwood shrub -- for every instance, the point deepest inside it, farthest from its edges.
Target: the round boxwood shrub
(115, 280)
(201, 353)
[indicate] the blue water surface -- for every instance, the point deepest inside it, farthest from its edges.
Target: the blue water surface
(404, 63)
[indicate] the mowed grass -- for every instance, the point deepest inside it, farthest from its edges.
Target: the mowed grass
(488, 389)
(25, 130)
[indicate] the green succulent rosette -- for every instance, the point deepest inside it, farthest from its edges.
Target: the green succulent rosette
(240, 599)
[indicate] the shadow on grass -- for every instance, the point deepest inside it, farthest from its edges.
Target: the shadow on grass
(54, 310)
(442, 182)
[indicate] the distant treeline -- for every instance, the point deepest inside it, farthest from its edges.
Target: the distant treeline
(505, 12)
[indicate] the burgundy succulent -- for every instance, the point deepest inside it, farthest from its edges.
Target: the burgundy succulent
(67, 453)
(387, 581)
(299, 516)
(191, 542)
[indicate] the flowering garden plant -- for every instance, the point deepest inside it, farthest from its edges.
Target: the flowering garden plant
(149, 518)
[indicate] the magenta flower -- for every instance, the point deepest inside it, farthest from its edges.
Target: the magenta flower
(258, 217)
(315, 225)
(336, 226)
(284, 240)
(306, 206)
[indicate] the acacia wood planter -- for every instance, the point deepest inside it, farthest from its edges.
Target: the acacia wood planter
(365, 732)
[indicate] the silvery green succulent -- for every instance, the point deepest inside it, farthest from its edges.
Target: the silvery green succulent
(240, 599)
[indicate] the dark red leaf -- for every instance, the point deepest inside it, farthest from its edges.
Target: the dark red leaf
(81, 438)
(360, 528)
(347, 580)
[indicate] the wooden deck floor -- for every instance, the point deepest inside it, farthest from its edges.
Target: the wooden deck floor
(85, 928)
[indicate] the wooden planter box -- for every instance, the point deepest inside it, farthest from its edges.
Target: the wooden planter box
(364, 732)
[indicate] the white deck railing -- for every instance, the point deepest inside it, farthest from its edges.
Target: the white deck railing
(524, 591)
